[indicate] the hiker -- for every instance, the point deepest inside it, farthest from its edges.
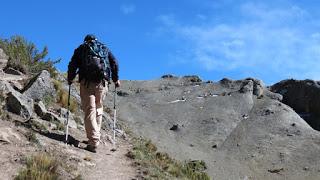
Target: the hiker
(93, 61)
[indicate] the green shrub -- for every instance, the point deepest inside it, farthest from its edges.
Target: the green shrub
(159, 165)
(25, 57)
(39, 167)
(32, 137)
(48, 100)
(60, 126)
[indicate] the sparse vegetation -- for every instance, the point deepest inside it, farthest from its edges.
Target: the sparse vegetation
(39, 167)
(107, 109)
(78, 120)
(25, 57)
(48, 100)
(32, 137)
(60, 126)
(157, 165)
(63, 101)
(37, 126)
(79, 177)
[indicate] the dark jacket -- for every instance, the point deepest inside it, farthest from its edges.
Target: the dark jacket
(74, 66)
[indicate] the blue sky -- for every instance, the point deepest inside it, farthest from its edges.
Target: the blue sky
(270, 40)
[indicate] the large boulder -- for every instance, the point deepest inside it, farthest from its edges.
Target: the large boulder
(61, 117)
(255, 86)
(20, 104)
(303, 96)
(5, 87)
(40, 86)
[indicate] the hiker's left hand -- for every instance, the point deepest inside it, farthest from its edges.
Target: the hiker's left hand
(117, 83)
(70, 82)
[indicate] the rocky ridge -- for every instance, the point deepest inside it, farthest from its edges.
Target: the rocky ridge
(240, 128)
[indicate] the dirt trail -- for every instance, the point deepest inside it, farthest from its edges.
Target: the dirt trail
(105, 164)
(111, 165)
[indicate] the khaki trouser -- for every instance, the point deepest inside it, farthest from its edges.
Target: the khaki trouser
(92, 96)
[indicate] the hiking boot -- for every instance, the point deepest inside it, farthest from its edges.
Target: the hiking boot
(91, 148)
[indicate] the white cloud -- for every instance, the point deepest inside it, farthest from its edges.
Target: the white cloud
(274, 41)
(128, 8)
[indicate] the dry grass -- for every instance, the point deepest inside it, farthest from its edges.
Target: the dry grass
(32, 137)
(157, 165)
(62, 98)
(39, 167)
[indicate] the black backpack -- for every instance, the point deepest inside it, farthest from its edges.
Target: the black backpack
(95, 65)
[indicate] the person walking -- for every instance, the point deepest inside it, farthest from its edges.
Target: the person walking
(95, 64)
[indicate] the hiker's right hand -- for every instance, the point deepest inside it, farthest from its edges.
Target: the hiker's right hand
(70, 82)
(117, 83)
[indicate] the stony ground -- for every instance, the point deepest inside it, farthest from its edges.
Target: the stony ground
(106, 164)
(16, 146)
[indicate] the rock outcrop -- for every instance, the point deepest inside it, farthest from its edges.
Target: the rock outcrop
(239, 128)
(20, 104)
(60, 117)
(39, 87)
(303, 96)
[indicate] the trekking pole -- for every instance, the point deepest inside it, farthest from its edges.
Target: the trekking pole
(114, 114)
(67, 123)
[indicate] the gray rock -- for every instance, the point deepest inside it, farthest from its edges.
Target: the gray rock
(249, 132)
(63, 113)
(303, 96)
(16, 85)
(5, 87)
(40, 86)
(20, 104)
(51, 117)
(192, 78)
(226, 82)
(272, 95)
(2, 54)
(60, 77)
(258, 87)
(246, 86)
(40, 109)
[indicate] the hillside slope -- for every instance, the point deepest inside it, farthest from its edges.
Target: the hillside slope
(239, 128)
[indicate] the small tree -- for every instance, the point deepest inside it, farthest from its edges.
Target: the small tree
(25, 57)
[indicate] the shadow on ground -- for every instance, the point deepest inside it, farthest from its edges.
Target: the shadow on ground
(61, 137)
